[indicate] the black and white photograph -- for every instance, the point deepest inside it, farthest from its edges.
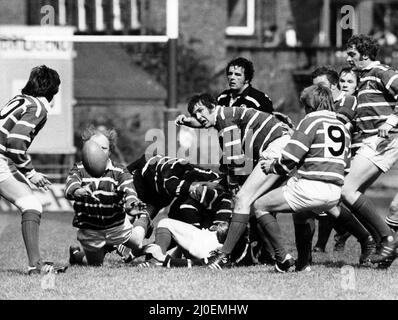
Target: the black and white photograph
(198, 157)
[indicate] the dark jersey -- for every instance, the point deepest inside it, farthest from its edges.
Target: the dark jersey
(249, 98)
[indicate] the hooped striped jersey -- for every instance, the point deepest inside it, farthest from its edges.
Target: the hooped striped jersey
(114, 190)
(243, 134)
(346, 108)
(160, 179)
(21, 119)
(377, 98)
(319, 148)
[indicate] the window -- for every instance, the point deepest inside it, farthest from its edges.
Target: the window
(241, 17)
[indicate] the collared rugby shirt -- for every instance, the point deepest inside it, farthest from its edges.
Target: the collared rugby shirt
(163, 178)
(249, 98)
(319, 148)
(21, 119)
(346, 109)
(115, 191)
(377, 98)
(243, 134)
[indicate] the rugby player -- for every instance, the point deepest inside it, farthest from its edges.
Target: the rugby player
(100, 206)
(245, 134)
(21, 120)
(240, 73)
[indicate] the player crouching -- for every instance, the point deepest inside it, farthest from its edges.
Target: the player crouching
(101, 203)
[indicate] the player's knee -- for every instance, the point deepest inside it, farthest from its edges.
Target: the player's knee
(29, 203)
(259, 209)
(137, 236)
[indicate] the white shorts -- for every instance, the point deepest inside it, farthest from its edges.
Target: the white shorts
(311, 195)
(274, 149)
(382, 152)
(92, 240)
(198, 242)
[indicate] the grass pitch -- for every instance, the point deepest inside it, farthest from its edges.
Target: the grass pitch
(334, 276)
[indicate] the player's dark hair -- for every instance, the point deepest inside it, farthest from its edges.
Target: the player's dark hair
(110, 134)
(330, 73)
(317, 97)
(206, 99)
(245, 64)
(43, 82)
(348, 69)
(365, 45)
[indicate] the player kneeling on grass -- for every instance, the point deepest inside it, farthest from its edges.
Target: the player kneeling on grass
(21, 120)
(101, 204)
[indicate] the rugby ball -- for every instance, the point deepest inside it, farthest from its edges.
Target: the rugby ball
(94, 159)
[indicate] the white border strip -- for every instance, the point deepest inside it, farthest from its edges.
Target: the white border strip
(247, 30)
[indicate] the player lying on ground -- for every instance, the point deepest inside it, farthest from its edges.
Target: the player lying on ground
(244, 135)
(193, 192)
(319, 149)
(100, 205)
(196, 243)
(21, 120)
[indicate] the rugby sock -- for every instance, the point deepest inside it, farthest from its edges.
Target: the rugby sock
(304, 232)
(325, 226)
(163, 238)
(30, 233)
(365, 209)
(236, 228)
(271, 228)
(350, 223)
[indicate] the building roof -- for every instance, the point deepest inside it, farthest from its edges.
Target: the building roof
(106, 71)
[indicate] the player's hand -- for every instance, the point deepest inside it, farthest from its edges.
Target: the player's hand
(136, 208)
(384, 130)
(180, 120)
(266, 165)
(195, 191)
(40, 181)
(85, 192)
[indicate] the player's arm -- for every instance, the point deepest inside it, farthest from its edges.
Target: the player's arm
(347, 113)
(295, 150)
(183, 120)
(18, 141)
(133, 205)
(73, 183)
(174, 181)
(389, 79)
